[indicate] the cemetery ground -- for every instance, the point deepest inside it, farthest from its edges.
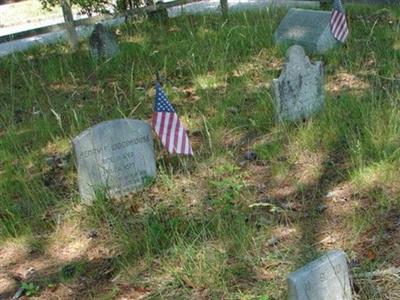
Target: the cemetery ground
(215, 226)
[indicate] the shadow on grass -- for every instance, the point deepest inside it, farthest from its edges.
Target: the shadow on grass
(77, 279)
(313, 199)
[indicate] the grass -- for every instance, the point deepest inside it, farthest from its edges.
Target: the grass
(193, 233)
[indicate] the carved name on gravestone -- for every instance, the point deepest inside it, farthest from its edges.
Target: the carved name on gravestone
(114, 156)
(102, 43)
(326, 278)
(298, 92)
(308, 28)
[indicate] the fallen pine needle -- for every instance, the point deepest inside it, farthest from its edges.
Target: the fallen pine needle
(260, 204)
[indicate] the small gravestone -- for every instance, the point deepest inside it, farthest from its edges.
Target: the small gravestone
(160, 14)
(326, 278)
(298, 92)
(116, 157)
(102, 43)
(308, 28)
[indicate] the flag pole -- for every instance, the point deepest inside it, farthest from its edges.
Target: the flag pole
(158, 78)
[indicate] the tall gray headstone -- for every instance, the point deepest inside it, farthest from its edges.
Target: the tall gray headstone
(308, 28)
(326, 278)
(102, 43)
(298, 92)
(114, 156)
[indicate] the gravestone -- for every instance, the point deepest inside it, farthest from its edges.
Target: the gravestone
(326, 278)
(159, 14)
(308, 28)
(114, 156)
(298, 92)
(102, 43)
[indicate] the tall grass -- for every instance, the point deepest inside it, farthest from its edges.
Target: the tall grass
(193, 226)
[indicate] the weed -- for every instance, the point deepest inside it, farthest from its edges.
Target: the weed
(30, 289)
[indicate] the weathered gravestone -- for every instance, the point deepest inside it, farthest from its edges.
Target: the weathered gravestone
(298, 92)
(114, 156)
(308, 28)
(159, 14)
(102, 43)
(326, 278)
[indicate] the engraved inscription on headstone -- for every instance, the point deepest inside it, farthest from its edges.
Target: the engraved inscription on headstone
(326, 278)
(308, 28)
(116, 156)
(298, 92)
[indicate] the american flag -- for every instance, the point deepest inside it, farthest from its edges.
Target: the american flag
(339, 28)
(168, 126)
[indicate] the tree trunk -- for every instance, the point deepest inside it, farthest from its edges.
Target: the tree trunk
(224, 8)
(69, 24)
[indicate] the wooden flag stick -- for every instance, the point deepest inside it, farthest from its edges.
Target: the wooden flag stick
(158, 77)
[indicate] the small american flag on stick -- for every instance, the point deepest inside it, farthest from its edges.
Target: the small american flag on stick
(339, 28)
(168, 127)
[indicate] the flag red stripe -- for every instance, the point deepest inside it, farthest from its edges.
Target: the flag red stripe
(183, 145)
(176, 133)
(180, 137)
(334, 17)
(186, 145)
(339, 28)
(164, 138)
(162, 125)
(187, 149)
(342, 30)
(158, 123)
(173, 136)
(336, 23)
(339, 25)
(168, 136)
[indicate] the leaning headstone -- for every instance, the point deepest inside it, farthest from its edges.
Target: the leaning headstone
(298, 92)
(326, 278)
(308, 28)
(116, 157)
(102, 43)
